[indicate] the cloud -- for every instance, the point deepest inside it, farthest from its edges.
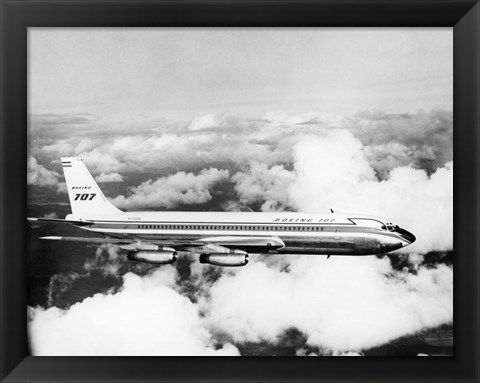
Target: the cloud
(421, 140)
(110, 261)
(180, 188)
(203, 122)
(107, 260)
(341, 304)
(280, 118)
(332, 170)
(40, 176)
(59, 284)
(146, 317)
(335, 173)
(263, 183)
(99, 162)
(109, 177)
(426, 137)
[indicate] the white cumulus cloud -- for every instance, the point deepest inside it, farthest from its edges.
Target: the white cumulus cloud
(203, 122)
(334, 173)
(38, 175)
(340, 304)
(179, 188)
(263, 183)
(109, 177)
(146, 317)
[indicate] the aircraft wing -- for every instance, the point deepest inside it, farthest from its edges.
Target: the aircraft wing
(212, 244)
(121, 242)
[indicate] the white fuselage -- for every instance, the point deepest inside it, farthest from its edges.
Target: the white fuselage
(291, 233)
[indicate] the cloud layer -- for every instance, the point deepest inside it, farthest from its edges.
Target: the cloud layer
(147, 317)
(346, 304)
(421, 140)
(341, 305)
(399, 166)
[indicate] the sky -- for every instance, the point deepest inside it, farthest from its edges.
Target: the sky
(190, 71)
(358, 120)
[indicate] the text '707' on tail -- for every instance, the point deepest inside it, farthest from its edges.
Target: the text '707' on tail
(86, 198)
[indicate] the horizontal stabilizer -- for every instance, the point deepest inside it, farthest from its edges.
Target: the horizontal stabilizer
(59, 220)
(114, 241)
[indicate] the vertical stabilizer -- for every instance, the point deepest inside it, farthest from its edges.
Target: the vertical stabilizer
(86, 198)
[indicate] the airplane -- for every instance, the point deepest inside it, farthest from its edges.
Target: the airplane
(218, 238)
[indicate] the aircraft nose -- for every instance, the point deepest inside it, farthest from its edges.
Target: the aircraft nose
(407, 235)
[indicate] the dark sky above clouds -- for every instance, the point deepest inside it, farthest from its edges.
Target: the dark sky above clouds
(274, 120)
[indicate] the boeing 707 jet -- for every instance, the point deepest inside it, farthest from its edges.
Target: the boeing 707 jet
(219, 238)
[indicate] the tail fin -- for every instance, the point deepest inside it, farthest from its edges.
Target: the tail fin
(86, 198)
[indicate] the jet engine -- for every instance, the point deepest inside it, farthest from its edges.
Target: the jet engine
(222, 259)
(155, 257)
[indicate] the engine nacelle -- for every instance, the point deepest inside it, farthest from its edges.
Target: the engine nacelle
(155, 257)
(222, 259)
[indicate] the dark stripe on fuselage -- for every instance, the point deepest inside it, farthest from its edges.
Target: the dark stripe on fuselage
(196, 232)
(285, 221)
(222, 223)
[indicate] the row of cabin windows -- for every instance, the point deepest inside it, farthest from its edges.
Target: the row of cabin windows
(231, 227)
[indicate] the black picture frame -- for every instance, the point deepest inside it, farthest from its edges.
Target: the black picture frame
(18, 15)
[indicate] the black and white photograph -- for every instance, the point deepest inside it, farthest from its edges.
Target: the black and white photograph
(240, 192)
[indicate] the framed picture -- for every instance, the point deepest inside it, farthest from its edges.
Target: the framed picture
(307, 122)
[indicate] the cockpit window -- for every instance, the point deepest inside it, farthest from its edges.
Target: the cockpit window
(390, 227)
